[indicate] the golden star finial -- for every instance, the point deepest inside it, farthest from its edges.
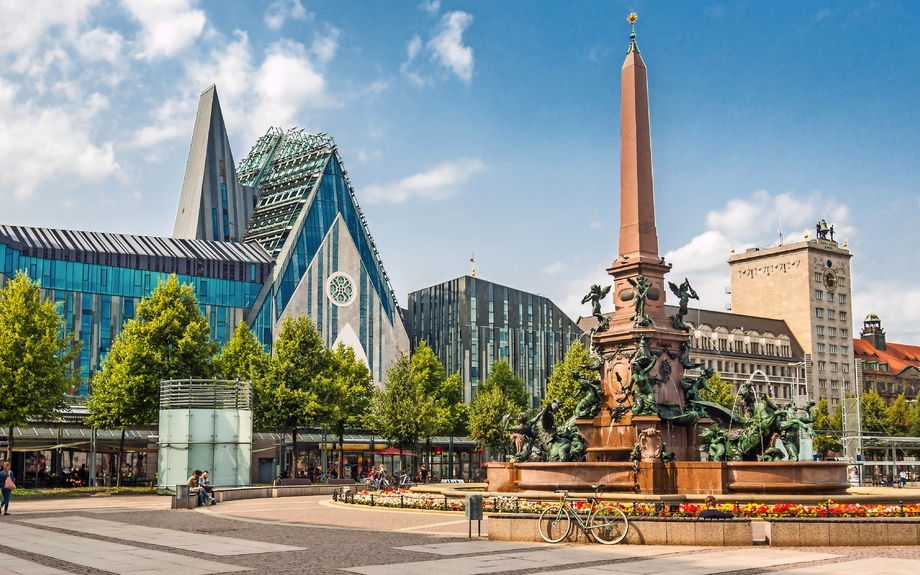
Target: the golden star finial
(632, 18)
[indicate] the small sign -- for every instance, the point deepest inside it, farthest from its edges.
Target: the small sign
(437, 451)
(451, 481)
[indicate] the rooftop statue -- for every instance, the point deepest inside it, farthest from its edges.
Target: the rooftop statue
(641, 287)
(822, 231)
(595, 295)
(685, 293)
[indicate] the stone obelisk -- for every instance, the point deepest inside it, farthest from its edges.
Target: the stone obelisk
(639, 324)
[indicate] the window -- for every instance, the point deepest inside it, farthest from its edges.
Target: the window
(818, 277)
(883, 367)
(845, 367)
(844, 332)
(843, 315)
(842, 298)
(820, 330)
(846, 385)
(832, 331)
(819, 294)
(840, 282)
(830, 314)
(739, 347)
(822, 366)
(832, 348)
(820, 348)
(843, 349)
(834, 384)
(819, 312)
(833, 366)
(822, 383)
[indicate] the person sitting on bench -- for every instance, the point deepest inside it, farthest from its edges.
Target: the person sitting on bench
(711, 512)
(204, 483)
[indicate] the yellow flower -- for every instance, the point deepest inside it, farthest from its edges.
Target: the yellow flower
(632, 18)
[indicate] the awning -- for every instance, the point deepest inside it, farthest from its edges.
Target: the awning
(393, 451)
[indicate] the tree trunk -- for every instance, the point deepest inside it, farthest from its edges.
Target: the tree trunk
(294, 454)
(9, 446)
(121, 459)
(341, 455)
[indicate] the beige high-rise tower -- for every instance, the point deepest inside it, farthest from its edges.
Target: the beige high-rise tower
(807, 284)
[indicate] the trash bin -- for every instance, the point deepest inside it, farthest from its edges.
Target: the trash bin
(474, 513)
(181, 497)
(474, 507)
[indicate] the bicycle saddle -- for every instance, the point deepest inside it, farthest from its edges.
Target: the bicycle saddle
(599, 486)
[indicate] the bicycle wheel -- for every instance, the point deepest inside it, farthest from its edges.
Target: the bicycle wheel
(609, 525)
(555, 524)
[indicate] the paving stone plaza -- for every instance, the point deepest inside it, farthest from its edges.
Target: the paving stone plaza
(141, 536)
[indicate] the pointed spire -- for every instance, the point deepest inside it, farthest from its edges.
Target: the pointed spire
(633, 47)
(638, 234)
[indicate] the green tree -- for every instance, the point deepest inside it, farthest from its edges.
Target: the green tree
(563, 386)
(169, 339)
(826, 435)
(287, 398)
(897, 417)
(721, 392)
(402, 412)
(915, 417)
(508, 383)
(243, 357)
(36, 355)
(351, 392)
(450, 413)
(487, 412)
(873, 411)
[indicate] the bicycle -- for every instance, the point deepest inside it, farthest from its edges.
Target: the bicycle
(607, 523)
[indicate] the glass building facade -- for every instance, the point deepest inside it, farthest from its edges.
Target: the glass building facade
(98, 279)
(471, 323)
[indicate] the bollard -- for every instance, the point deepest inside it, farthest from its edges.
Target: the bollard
(445, 503)
(372, 499)
(401, 501)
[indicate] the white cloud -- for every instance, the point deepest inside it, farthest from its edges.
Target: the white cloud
(448, 48)
(167, 26)
(24, 25)
(415, 45)
(100, 44)
(174, 118)
(412, 50)
(430, 6)
(576, 288)
(555, 268)
(279, 11)
(900, 315)
(324, 47)
(437, 183)
(45, 143)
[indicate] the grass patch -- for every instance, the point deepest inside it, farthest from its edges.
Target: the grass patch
(83, 491)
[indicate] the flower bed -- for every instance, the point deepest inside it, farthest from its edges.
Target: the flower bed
(409, 500)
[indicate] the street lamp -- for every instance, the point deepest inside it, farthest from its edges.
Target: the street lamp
(795, 377)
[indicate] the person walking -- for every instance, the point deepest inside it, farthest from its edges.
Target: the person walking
(7, 485)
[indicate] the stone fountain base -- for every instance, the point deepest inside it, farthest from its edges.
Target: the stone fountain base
(678, 477)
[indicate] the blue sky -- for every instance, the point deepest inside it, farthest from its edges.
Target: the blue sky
(492, 126)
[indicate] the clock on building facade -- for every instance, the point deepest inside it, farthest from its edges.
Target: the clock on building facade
(830, 279)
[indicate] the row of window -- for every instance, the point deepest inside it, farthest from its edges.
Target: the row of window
(874, 366)
(738, 346)
(891, 387)
(835, 384)
(823, 365)
(819, 278)
(819, 295)
(746, 368)
(831, 314)
(832, 331)
(832, 348)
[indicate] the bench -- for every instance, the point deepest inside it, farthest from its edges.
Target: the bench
(288, 481)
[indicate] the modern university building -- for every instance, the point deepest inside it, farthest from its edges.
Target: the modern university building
(280, 234)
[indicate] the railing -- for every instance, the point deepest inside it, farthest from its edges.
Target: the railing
(205, 394)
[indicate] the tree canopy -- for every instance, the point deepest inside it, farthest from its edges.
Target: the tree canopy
(721, 392)
(511, 386)
(487, 412)
(36, 355)
(402, 413)
(243, 357)
(563, 386)
(169, 339)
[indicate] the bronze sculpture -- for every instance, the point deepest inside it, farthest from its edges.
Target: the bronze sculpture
(641, 287)
(640, 383)
(684, 293)
(590, 404)
(595, 295)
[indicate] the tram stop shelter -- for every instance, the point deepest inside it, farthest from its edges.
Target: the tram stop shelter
(205, 424)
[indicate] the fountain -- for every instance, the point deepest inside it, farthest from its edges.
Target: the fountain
(641, 425)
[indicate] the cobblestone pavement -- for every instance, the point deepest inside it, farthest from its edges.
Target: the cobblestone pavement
(321, 539)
